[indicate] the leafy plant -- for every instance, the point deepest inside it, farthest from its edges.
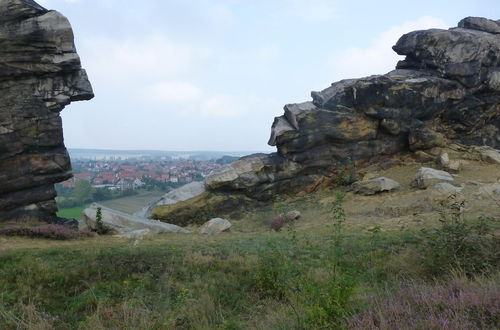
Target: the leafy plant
(345, 174)
(458, 243)
(337, 217)
(283, 275)
(101, 228)
(329, 303)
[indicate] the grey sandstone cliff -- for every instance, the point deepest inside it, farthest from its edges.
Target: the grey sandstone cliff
(40, 73)
(446, 91)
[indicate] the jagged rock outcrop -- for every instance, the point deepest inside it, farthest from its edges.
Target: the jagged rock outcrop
(446, 91)
(40, 73)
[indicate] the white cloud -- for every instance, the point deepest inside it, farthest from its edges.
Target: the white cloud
(185, 98)
(379, 57)
(171, 92)
(154, 56)
(312, 10)
(267, 52)
(220, 15)
(223, 106)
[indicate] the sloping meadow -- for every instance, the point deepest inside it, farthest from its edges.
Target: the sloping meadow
(297, 278)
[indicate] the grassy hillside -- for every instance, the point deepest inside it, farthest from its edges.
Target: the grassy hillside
(329, 270)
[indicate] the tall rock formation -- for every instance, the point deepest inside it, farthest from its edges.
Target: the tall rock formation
(447, 90)
(40, 73)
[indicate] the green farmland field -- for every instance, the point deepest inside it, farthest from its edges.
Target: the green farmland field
(71, 213)
(129, 204)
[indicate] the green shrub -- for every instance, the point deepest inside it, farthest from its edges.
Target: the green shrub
(345, 174)
(329, 303)
(458, 243)
(272, 273)
(101, 228)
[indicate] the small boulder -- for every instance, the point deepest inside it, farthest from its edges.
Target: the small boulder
(293, 215)
(454, 166)
(444, 188)
(426, 177)
(448, 164)
(444, 159)
(215, 226)
(373, 186)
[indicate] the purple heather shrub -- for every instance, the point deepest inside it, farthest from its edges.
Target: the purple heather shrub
(455, 305)
(277, 222)
(49, 231)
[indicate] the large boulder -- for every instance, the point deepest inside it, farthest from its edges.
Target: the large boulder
(200, 208)
(181, 194)
(125, 223)
(446, 189)
(40, 73)
(427, 177)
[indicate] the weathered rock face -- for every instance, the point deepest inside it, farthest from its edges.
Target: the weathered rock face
(181, 194)
(40, 73)
(446, 91)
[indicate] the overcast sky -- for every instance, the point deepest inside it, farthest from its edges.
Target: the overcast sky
(212, 74)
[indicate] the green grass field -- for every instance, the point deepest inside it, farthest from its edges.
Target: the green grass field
(133, 204)
(72, 213)
(128, 205)
(324, 272)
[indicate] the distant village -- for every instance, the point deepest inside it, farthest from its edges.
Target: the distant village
(119, 175)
